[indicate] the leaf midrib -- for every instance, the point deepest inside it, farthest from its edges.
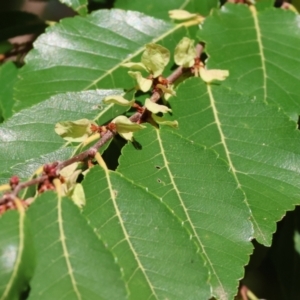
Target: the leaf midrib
(62, 239)
(228, 157)
(199, 242)
(126, 235)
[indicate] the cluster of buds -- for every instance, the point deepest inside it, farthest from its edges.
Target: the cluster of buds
(8, 199)
(50, 171)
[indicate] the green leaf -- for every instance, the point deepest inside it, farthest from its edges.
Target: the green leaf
(259, 50)
(8, 76)
(160, 9)
(30, 133)
(80, 6)
(17, 256)
(154, 250)
(198, 188)
(15, 23)
(155, 58)
(71, 260)
(259, 143)
(67, 59)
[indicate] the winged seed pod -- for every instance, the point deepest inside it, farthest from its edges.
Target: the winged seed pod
(144, 84)
(118, 99)
(162, 121)
(155, 58)
(212, 75)
(125, 127)
(166, 90)
(185, 53)
(135, 66)
(74, 131)
(156, 108)
(181, 15)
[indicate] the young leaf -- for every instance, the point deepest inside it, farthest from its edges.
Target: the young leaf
(156, 108)
(118, 99)
(259, 143)
(212, 75)
(80, 6)
(258, 49)
(158, 258)
(17, 260)
(67, 250)
(155, 58)
(180, 15)
(197, 186)
(74, 131)
(185, 53)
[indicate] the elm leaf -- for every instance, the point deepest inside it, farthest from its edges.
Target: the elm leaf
(250, 136)
(61, 236)
(198, 188)
(259, 52)
(156, 253)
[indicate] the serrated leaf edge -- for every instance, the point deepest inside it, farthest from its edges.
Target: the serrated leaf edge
(227, 153)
